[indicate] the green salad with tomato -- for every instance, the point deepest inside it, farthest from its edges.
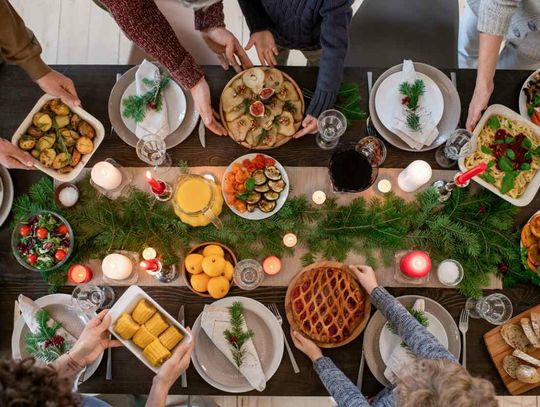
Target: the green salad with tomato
(44, 240)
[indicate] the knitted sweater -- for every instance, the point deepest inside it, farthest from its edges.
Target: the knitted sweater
(419, 340)
(517, 20)
(308, 25)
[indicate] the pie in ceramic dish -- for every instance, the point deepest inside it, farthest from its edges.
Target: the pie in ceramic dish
(262, 108)
(326, 303)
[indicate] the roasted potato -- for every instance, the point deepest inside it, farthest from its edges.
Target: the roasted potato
(85, 145)
(75, 120)
(42, 121)
(70, 137)
(60, 161)
(27, 142)
(44, 143)
(59, 108)
(85, 130)
(75, 157)
(61, 121)
(34, 132)
(35, 153)
(47, 156)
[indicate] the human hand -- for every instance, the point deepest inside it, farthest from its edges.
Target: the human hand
(201, 96)
(306, 345)
(227, 48)
(94, 339)
(309, 126)
(265, 46)
(177, 364)
(56, 84)
(13, 157)
(479, 103)
(366, 276)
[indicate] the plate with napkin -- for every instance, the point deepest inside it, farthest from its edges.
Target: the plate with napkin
(57, 309)
(213, 358)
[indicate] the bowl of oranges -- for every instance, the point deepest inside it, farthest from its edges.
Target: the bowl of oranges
(208, 270)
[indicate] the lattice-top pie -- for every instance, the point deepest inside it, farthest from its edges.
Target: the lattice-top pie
(327, 304)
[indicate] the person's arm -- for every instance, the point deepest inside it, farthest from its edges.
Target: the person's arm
(256, 16)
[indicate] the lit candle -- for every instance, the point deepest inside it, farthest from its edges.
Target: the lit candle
(414, 176)
(150, 265)
(116, 266)
(450, 272)
(415, 264)
(79, 274)
(318, 197)
(149, 253)
(158, 187)
(462, 179)
(272, 265)
(106, 175)
(384, 186)
(290, 240)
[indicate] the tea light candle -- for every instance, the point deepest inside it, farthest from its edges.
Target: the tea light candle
(384, 186)
(416, 264)
(450, 272)
(150, 265)
(272, 265)
(116, 266)
(106, 175)
(79, 274)
(149, 253)
(157, 186)
(290, 240)
(414, 176)
(318, 197)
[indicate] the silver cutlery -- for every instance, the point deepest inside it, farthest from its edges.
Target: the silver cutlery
(181, 319)
(118, 76)
(370, 128)
(360, 378)
(108, 374)
(202, 133)
(275, 311)
(453, 78)
(464, 327)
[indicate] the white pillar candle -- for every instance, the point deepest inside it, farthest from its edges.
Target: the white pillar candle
(318, 197)
(116, 266)
(106, 175)
(414, 176)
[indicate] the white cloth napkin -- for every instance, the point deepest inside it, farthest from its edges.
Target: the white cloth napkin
(401, 355)
(428, 132)
(154, 122)
(214, 321)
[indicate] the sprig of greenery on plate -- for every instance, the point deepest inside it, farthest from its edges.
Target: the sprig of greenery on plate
(411, 95)
(135, 105)
(237, 336)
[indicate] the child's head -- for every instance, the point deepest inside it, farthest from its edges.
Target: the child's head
(441, 383)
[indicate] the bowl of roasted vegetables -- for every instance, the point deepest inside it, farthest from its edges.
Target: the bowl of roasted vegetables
(42, 241)
(60, 138)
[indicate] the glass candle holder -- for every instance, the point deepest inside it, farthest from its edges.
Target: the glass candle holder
(120, 268)
(248, 274)
(109, 178)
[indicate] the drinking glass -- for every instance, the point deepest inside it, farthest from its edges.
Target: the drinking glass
(152, 150)
(331, 124)
(458, 145)
(495, 308)
(248, 274)
(91, 297)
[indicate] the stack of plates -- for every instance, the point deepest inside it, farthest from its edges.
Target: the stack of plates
(180, 110)
(6, 194)
(441, 98)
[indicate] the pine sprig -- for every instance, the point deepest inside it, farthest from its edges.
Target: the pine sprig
(412, 91)
(135, 106)
(45, 344)
(413, 121)
(237, 336)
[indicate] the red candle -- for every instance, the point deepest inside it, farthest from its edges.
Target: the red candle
(463, 179)
(415, 264)
(158, 187)
(150, 265)
(79, 274)
(272, 265)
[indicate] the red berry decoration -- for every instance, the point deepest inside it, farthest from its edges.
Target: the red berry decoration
(32, 259)
(24, 231)
(404, 100)
(60, 255)
(503, 268)
(56, 341)
(42, 233)
(152, 105)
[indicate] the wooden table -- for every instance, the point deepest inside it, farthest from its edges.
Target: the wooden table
(18, 95)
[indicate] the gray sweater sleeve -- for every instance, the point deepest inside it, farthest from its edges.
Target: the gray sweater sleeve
(494, 16)
(419, 340)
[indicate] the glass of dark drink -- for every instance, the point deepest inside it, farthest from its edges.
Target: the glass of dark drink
(352, 169)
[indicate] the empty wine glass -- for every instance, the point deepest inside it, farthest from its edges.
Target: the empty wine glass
(91, 297)
(152, 150)
(458, 145)
(495, 308)
(331, 124)
(248, 274)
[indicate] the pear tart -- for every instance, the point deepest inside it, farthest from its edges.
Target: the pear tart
(326, 304)
(262, 108)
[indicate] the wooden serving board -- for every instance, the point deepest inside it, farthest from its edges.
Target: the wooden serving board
(498, 349)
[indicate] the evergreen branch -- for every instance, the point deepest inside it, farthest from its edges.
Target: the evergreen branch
(237, 336)
(412, 92)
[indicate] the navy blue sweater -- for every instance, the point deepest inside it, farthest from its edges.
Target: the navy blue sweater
(308, 25)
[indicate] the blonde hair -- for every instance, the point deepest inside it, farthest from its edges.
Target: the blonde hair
(442, 383)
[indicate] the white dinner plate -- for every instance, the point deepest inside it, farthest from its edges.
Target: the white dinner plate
(7, 194)
(174, 98)
(258, 214)
(1, 192)
(60, 309)
(523, 97)
(388, 341)
(217, 370)
(388, 92)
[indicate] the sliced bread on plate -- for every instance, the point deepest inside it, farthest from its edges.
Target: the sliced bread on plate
(510, 365)
(526, 358)
(513, 335)
(529, 332)
(535, 322)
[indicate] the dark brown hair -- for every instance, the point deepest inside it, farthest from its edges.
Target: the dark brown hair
(23, 384)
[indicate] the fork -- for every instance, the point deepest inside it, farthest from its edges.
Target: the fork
(275, 311)
(464, 327)
(370, 128)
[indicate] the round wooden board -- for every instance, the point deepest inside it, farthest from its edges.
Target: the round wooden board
(367, 303)
(281, 139)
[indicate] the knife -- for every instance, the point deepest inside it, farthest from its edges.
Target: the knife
(360, 378)
(181, 318)
(202, 133)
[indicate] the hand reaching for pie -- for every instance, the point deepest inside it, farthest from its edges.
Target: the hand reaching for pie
(366, 276)
(306, 345)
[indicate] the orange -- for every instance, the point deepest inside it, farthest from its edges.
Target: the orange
(199, 282)
(218, 287)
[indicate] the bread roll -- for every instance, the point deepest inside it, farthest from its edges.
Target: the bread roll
(527, 374)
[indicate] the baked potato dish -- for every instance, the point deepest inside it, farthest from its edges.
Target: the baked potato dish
(58, 138)
(262, 108)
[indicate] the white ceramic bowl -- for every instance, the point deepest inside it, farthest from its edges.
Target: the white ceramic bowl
(533, 186)
(523, 97)
(83, 114)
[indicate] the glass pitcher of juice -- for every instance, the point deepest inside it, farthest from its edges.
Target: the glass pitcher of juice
(197, 201)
